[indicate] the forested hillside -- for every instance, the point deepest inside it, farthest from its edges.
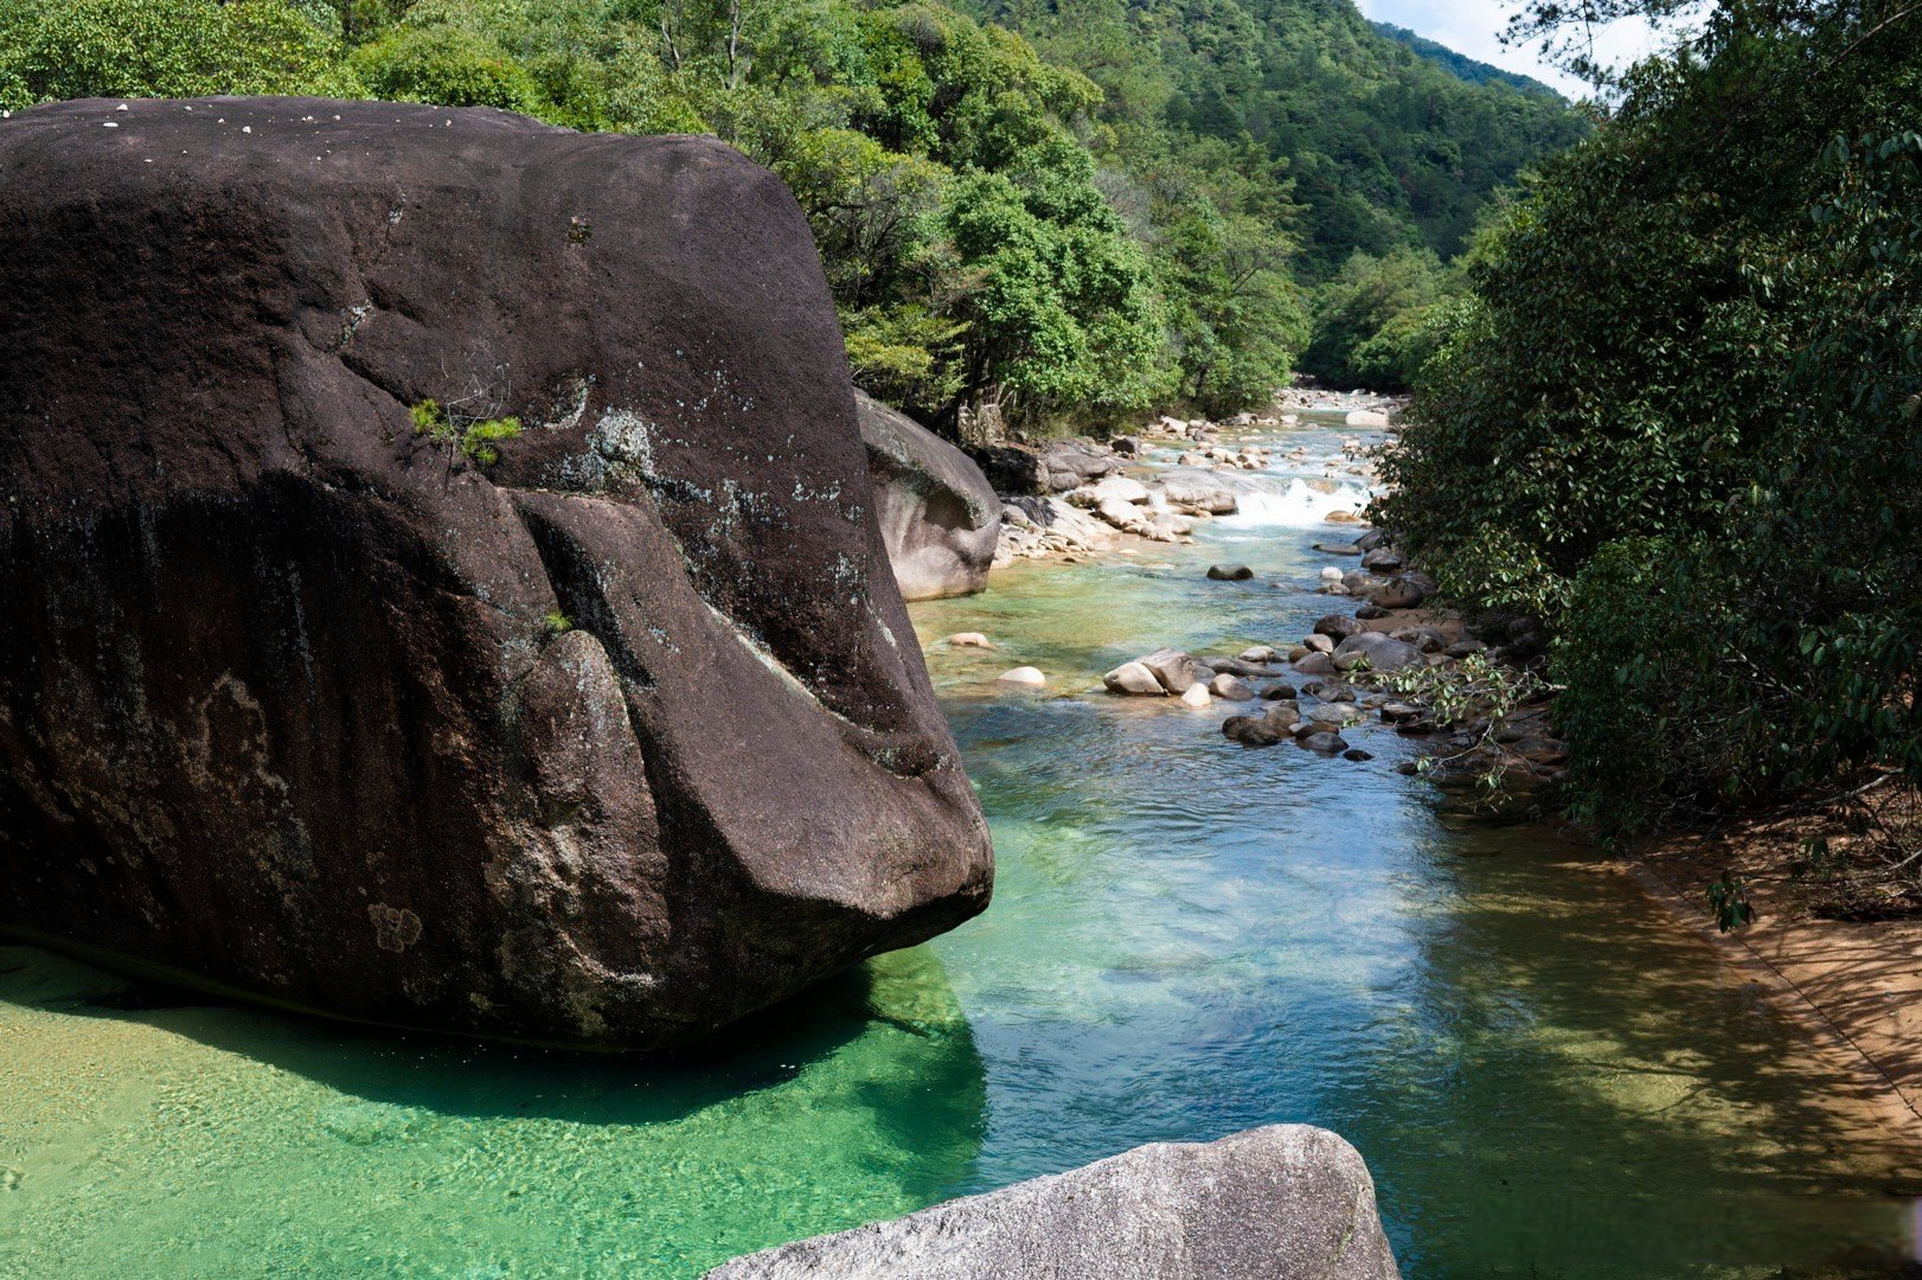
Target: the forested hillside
(1031, 212)
(1459, 64)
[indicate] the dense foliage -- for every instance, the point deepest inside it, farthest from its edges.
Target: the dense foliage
(1680, 416)
(1031, 210)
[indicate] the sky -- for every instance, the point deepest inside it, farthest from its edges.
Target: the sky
(1471, 27)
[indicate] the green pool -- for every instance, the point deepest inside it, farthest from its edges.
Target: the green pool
(1188, 938)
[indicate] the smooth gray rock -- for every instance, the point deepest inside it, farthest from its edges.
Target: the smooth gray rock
(1287, 1202)
(1384, 654)
(1315, 664)
(1133, 678)
(1194, 490)
(1338, 626)
(1382, 560)
(1252, 731)
(1069, 464)
(938, 515)
(1230, 687)
(1403, 593)
(1175, 669)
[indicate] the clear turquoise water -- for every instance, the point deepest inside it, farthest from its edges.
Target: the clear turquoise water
(1546, 1076)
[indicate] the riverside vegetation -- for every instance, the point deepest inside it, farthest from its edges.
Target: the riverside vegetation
(1043, 214)
(1703, 471)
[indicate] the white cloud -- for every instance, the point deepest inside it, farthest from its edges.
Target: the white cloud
(1472, 27)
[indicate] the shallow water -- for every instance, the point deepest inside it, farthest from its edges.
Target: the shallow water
(1546, 1076)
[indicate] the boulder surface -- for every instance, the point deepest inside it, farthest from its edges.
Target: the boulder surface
(323, 681)
(939, 517)
(1288, 1202)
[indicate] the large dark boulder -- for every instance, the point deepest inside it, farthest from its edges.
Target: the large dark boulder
(939, 518)
(608, 741)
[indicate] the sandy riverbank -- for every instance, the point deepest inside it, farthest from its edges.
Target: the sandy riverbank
(1855, 987)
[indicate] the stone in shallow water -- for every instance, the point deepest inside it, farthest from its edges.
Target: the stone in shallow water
(1033, 677)
(417, 725)
(1133, 678)
(1173, 668)
(1288, 1202)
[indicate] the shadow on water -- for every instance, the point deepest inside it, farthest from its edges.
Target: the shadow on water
(335, 1149)
(1606, 1071)
(906, 992)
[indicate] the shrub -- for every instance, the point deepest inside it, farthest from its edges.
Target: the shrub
(445, 66)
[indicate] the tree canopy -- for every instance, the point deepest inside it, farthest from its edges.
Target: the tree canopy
(1679, 415)
(1060, 210)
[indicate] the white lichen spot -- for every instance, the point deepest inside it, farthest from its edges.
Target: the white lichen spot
(622, 436)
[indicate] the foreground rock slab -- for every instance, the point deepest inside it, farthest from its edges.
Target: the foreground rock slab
(1289, 1202)
(605, 726)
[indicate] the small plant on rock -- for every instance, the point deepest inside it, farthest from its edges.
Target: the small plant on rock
(473, 438)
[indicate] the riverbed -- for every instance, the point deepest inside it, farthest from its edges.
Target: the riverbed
(1546, 1074)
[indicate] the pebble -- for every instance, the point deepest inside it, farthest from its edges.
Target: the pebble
(969, 640)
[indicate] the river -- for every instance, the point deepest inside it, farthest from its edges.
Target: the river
(1546, 1075)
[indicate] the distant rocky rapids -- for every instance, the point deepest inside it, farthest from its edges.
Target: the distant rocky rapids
(441, 578)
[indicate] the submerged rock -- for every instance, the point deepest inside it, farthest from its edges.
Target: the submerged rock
(1289, 1202)
(939, 517)
(1230, 572)
(389, 490)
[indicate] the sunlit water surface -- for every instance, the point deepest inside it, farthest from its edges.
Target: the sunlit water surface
(1546, 1076)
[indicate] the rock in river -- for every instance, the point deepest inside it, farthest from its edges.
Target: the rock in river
(379, 528)
(1133, 678)
(1173, 668)
(1383, 654)
(1288, 1202)
(1230, 572)
(939, 518)
(1198, 491)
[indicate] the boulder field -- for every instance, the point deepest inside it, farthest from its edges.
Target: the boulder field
(439, 580)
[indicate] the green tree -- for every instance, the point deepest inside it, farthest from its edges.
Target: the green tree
(52, 49)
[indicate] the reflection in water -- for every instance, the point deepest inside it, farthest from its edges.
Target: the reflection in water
(212, 1140)
(1187, 939)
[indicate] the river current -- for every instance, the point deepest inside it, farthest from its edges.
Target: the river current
(1546, 1074)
